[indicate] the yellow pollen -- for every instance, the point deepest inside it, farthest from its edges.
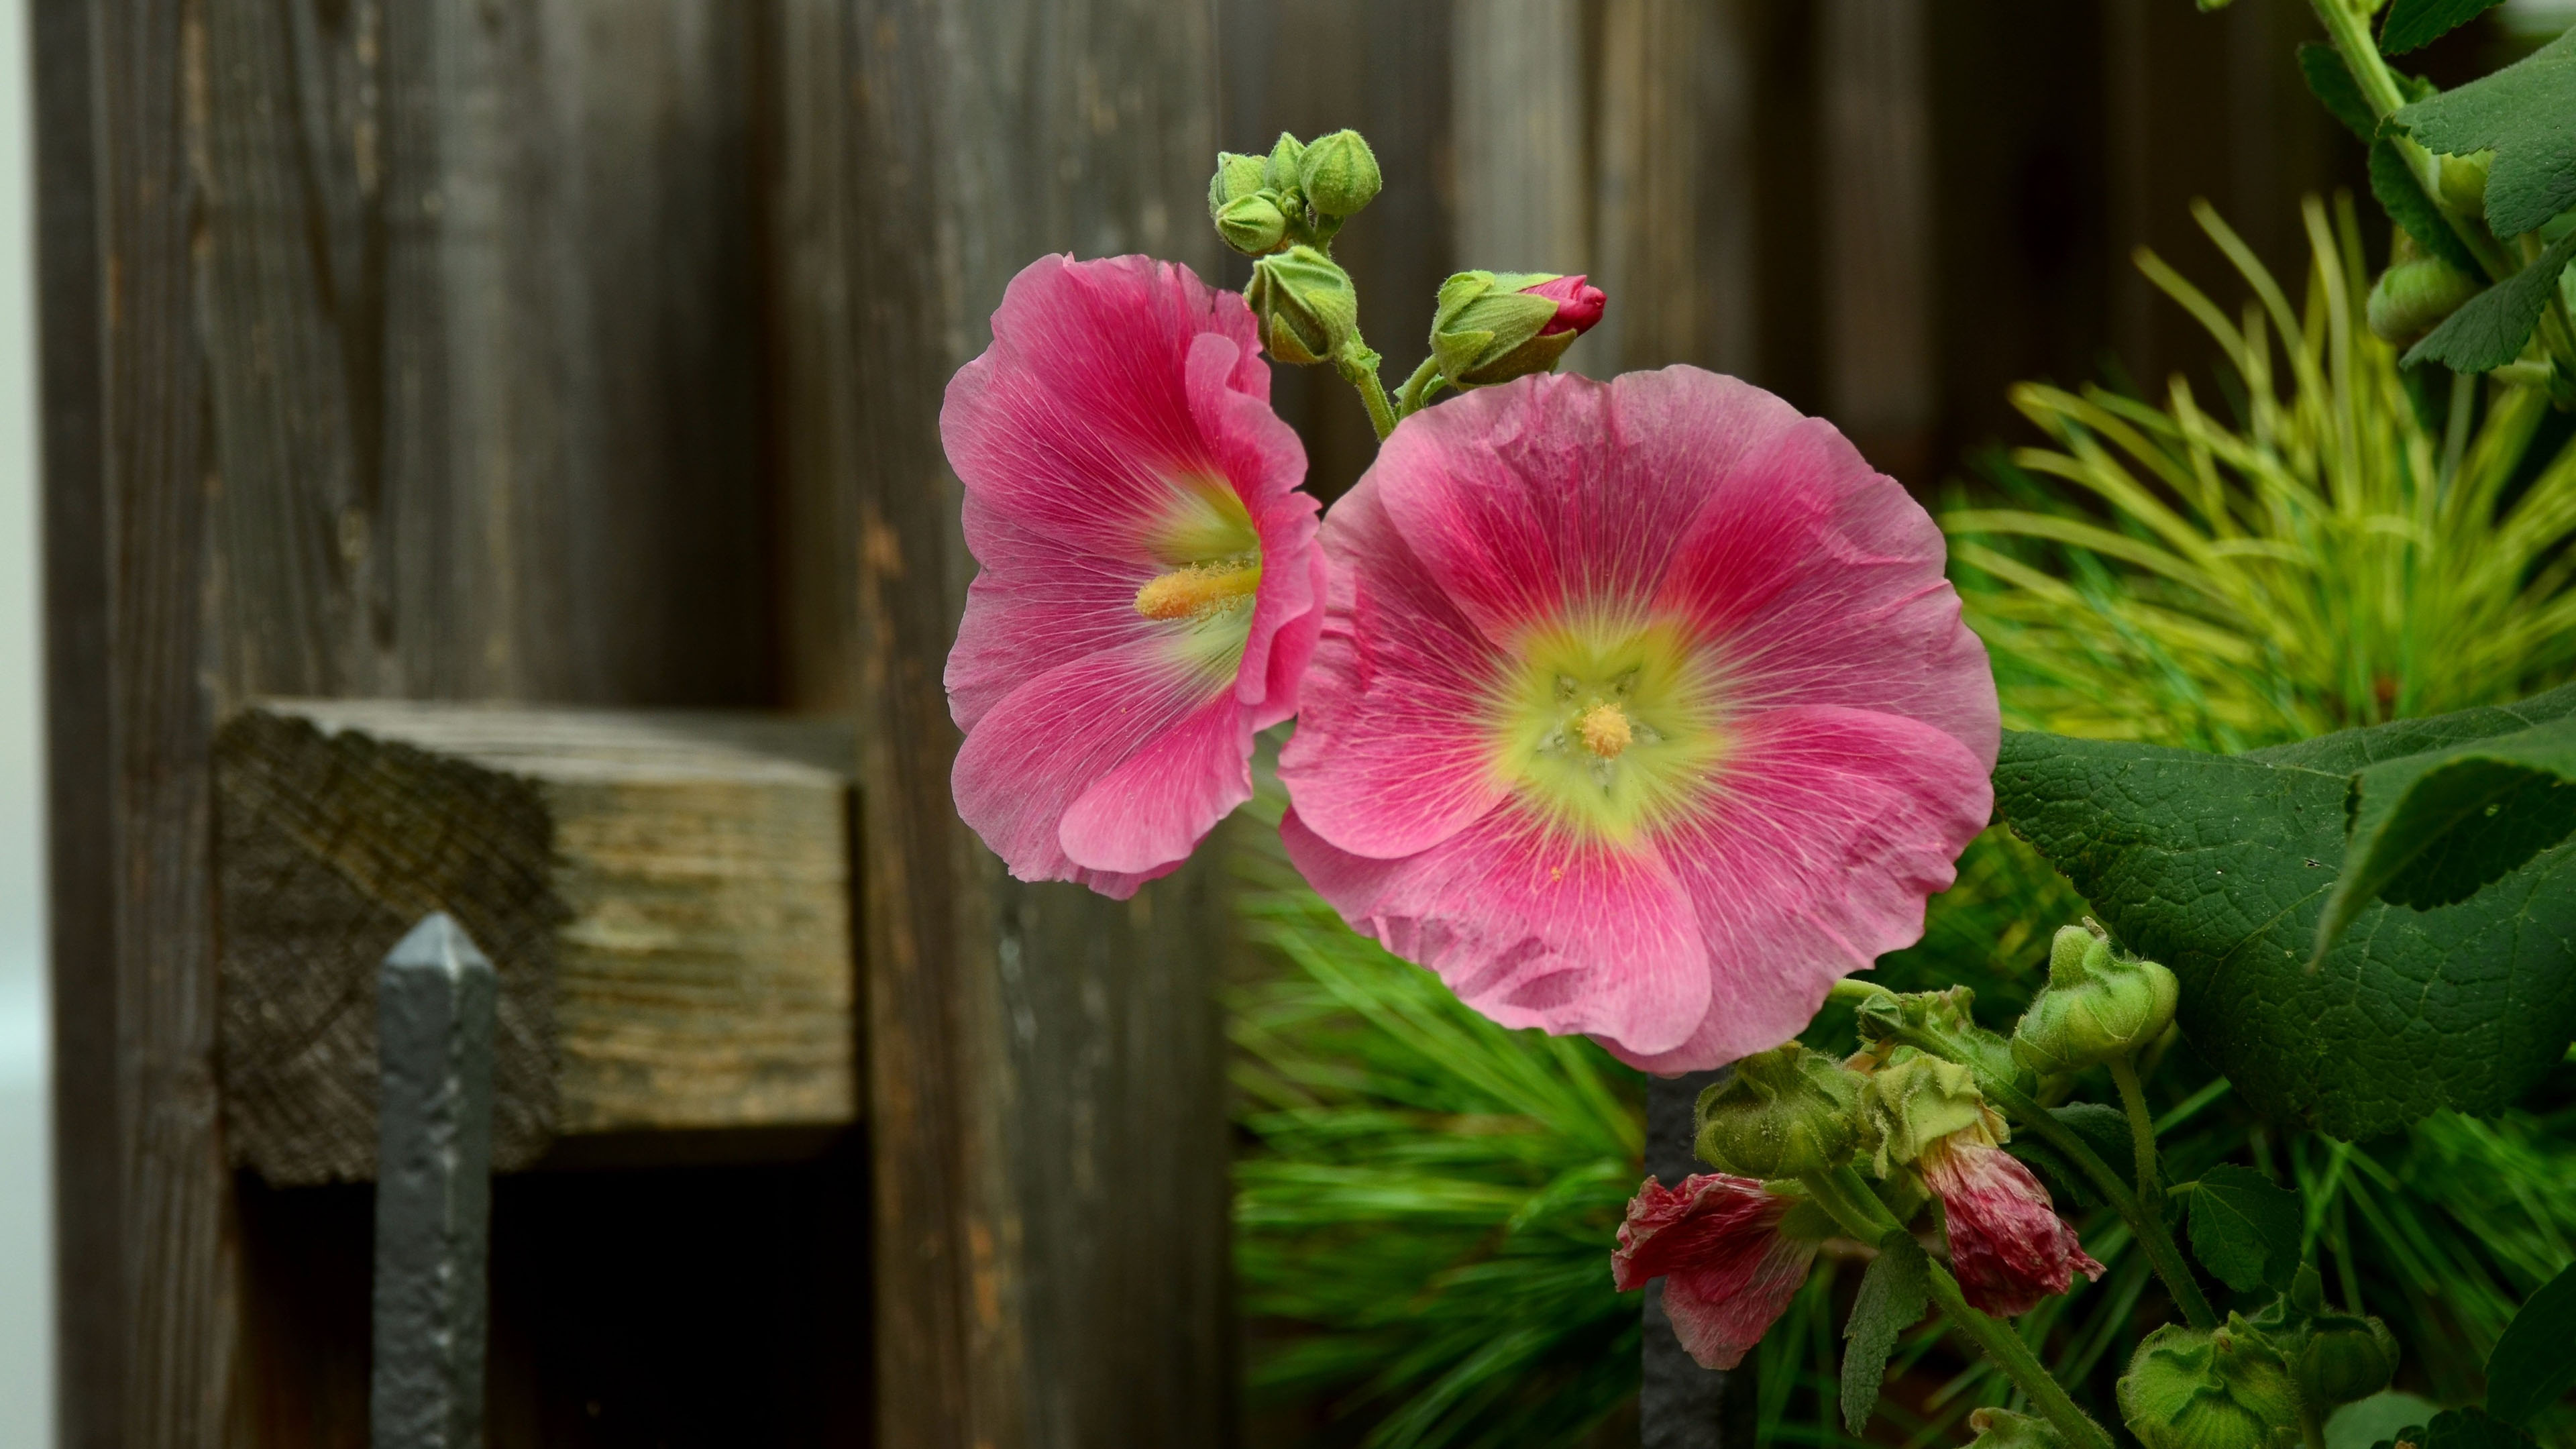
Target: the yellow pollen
(1605, 731)
(1200, 589)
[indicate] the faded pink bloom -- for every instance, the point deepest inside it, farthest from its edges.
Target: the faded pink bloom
(2008, 1247)
(1151, 587)
(1578, 304)
(1728, 1270)
(1642, 709)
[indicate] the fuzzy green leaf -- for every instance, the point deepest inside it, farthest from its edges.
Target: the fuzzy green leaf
(2416, 23)
(2429, 830)
(2402, 196)
(2531, 1367)
(2219, 866)
(2330, 80)
(2489, 329)
(2244, 1229)
(2472, 1429)
(2526, 114)
(1894, 1293)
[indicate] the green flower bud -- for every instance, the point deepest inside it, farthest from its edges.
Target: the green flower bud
(1339, 174)
(1279, 173)
(1917, 1100)
(2097, 1005)
(1493, 327)
(2463, 182)
(2336, 1358)
(1236, 177)
(1946, 1014)
(2004, 1429)
(1786, 1112)
(2210, 1388)
(1306, 305)
(2412, 297)
(1252, 224)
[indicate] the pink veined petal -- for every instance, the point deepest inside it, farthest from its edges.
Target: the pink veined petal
(1292, 649)
(1821, 582)
(1023, 619)
(1390, 755)
(1728, 1270)
(1153, 809)
(1519, 921)
(1042, 746)
(1556, 494)
(2008, 1246)
(1263, 457)
(1813, 856)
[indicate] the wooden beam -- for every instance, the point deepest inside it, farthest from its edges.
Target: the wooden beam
(665, 896)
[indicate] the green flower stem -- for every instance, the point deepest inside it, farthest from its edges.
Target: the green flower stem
(1843, 1193)
(2312, 1429)
(1358, 367)
(1416, 393)
(2142, 1133)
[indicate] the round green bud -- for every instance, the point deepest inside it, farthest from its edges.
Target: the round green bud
(2004, 1429)
(1786, 1112)
(1305, 304)
(1252, 225)
(2412, 297)
(1279, 172)
(2344, 1360)
(1236, 177)
(2097, 1005)
(1916, 1100)
(1339, 174)
(2210, 1388)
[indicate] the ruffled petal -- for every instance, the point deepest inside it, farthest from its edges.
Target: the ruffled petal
(1153, 809)
(1819, 842)
(1391, 754)
(1728, 1270)
(1520, 921)
(2008, 1247)
(1262, 456)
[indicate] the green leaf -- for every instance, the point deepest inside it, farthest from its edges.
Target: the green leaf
(2489, 329)
(2532, 1365)
(2416, 23)
(2526, 114)
(2394, 183)
(2330, 80)
(1894, 1293)
(2377, 1419)
(2244, 1229)
(2219, 866)
(2431, 829)
(2472, 1429)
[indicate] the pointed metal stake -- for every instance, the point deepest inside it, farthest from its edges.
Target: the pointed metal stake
(434, 1004)
(1680, 1404)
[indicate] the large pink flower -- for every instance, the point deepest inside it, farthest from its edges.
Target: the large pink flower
(1728, 1270)
(2008, 1246)
(1151, 588)
(1641, 710)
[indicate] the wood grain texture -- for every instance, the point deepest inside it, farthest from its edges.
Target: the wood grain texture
(1045, 1075)
(1518, 83)
(1874, 92)
(665, 896)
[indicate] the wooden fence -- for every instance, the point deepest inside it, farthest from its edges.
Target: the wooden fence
(588, 353)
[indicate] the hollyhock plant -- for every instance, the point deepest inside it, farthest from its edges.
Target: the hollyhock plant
(2008, 1246)
(1642, 710)
(1728, 1269)
(1151, 586)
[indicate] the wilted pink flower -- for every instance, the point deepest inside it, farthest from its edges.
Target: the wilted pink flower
(2008, 1247)
(1578, 304)
(1728, 1270)
(1642, 709)
(1151, 587)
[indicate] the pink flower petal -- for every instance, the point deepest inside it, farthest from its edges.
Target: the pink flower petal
(2008, 1246)
(1389, 754)
(1517, 919)
(1152, 809)
(1813, 857)
(1250, 443)
(1728, 1270)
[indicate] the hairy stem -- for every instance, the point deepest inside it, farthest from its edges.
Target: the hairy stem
(1416, 393)
(1358, 367)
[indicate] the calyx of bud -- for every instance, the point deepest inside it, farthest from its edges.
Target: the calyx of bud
(2004, 1429)
(2210, 1388)
(2463, 182)
(1917, 1100)
(1279, 172)
(1492, 327)
(1252, 225)
(1339, 174)
(1787, 1112)
(1945, 1015)
(1236, 177)
(1305, 304)
(2336, 1358)
(2098, 1005)
(2414, 295)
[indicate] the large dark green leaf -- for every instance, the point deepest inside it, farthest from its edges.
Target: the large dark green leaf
(1894, 1293)
(2489, 329)
(2526, 114)
(2533, 1364)
(2220, 866)
(2415, 23)
(2402, 196)
(2245, 1229)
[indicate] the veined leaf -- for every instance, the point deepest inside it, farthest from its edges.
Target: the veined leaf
(2526, 114)
(2531, 1366)
(2244, 1229)
(2413, 24)
(1894, 1293)
(2489, 329)
(2402, 196)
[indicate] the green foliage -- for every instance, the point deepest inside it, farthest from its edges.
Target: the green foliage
(2330, 80)
(2526, 114)
(2245, 1229)
(2490, 328)
(1894, 1291)
(2413, 24)
(2393, 182)
(2532, 1365)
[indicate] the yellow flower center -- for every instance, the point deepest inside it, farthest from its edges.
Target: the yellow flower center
(1607, 725)
(1605, 730)
(1195, 591)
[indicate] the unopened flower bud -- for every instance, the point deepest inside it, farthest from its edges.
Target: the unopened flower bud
(1493, 327)
(2004, 1429)
(2463, 182)
(2336, 1358)
(2210, 1388)
(1882, 1020)
(1252, 224)
(1339, 174)
(1782, 1113)
(2097, 1005)
(1306, 305)
(2412, 297)
(1280, 172)
(1917, 1100)
(1236, 177)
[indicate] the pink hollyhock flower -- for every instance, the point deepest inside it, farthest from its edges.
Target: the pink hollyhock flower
(1151, 588)
(1728, 1270)
(1642, 709)
(2008, 1247)
(1578, 304)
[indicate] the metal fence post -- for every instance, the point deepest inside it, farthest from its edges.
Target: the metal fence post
(1680, 1404)
(434, 1004)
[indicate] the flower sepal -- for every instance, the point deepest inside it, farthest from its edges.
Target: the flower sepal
(1941, 1019)
(1338, 174)
(2003, 1429)
(1492, 327)
(2211, 1388)
(1918, 1101)
(1784, 1113)
(2336, 1358)
(2098, 1004)
(1307, 306)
